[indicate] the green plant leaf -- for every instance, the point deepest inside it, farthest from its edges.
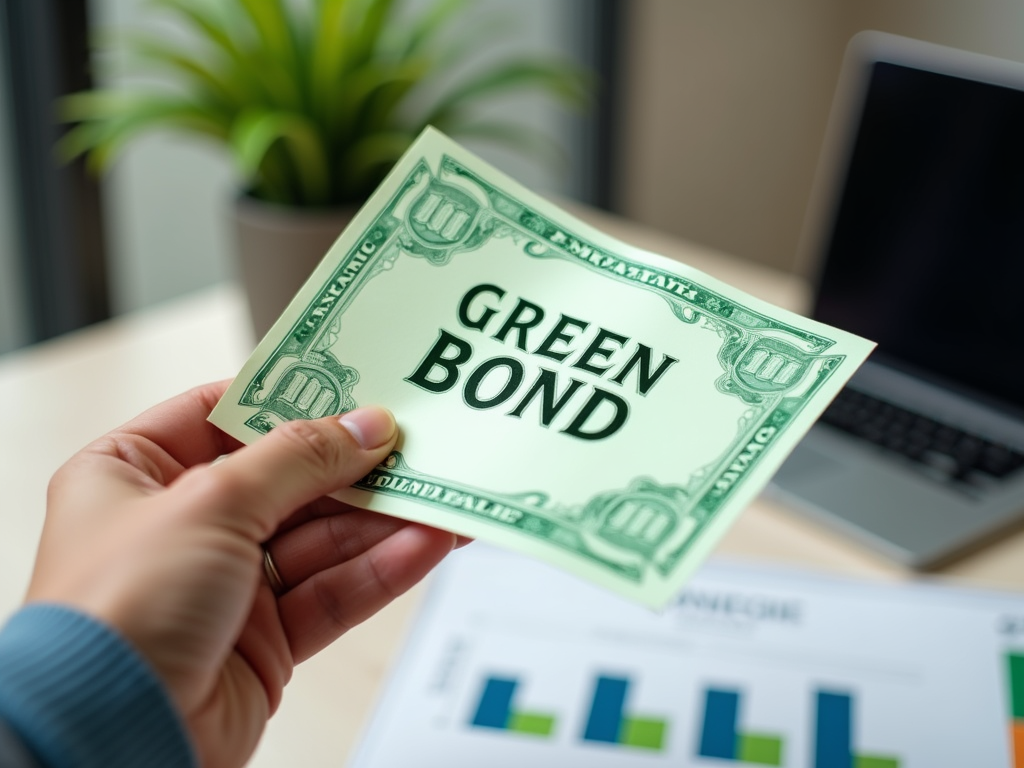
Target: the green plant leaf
(94, 105)
(556, 78)
(433, 20)
(327, 53)
(80, 140)
(274, 28)
(223, 27)
(216, 81)
(202, 17)
(449, 57)
(369, 95)
(118, 118)
(316, 99)
(124, 105)
(368, 22)
(383, 102)
(280, 49)
(370, 158)
(255, 132)
(518, 137)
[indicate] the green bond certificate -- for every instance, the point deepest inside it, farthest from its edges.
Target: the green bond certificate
(559, 393)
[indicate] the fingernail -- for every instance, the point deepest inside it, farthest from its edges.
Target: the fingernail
(371, 426)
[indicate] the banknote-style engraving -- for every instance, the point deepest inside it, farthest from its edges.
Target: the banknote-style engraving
(638, 533)
(307, 391)
(625, 531)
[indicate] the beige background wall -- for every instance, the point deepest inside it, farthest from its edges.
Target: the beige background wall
(726, 103)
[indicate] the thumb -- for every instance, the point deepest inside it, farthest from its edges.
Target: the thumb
(260, 485)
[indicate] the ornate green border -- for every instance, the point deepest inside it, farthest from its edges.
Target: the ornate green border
(773, 367)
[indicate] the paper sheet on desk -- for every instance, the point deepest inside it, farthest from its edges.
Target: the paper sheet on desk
(560, 393)
(749, 666)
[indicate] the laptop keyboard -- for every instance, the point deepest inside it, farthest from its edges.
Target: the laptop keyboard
(945, 452)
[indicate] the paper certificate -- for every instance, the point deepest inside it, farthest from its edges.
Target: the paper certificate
(559, 393)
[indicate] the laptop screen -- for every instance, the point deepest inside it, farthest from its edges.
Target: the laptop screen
(926, 253)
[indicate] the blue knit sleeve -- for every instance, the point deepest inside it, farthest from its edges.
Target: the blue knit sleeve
(79, 695)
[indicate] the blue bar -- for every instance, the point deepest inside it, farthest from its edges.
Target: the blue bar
(833, 743)
(495, 706)
(718, 737)
(605, 719)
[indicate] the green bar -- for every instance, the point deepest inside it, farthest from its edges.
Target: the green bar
(872, 761)
(641, 732)
(539, 725)
(760, 749)
(1015, 663)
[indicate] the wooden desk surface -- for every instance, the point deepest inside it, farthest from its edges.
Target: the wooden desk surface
(60, 395)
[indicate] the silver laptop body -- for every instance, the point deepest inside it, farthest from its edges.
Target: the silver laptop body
(917, 227)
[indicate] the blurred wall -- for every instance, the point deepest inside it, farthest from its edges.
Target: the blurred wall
(168, 199)
(726, 103)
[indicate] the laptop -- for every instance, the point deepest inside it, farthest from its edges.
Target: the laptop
(916, 226)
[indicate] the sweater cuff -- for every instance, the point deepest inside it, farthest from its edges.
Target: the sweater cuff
(79, 695)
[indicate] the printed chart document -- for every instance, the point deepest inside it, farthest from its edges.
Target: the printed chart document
(559, 393)
(513, 664)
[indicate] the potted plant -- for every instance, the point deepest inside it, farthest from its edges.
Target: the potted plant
(314, 101)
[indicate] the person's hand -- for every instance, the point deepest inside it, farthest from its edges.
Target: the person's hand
(144, 533)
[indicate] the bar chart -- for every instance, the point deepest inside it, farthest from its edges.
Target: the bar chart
(721, 737)
(833, 736)
(609, 723)
(496, 710)
(749, 669)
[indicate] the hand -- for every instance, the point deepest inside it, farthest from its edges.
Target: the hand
(145, 534)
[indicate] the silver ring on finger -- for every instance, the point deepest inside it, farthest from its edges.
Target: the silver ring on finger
(277, 585)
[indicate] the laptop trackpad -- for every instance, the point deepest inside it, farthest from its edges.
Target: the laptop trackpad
(806, 464)
(874, 499)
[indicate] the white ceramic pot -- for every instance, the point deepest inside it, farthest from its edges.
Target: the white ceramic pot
(278, 247)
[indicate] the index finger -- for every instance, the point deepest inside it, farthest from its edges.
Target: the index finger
(180, 428)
